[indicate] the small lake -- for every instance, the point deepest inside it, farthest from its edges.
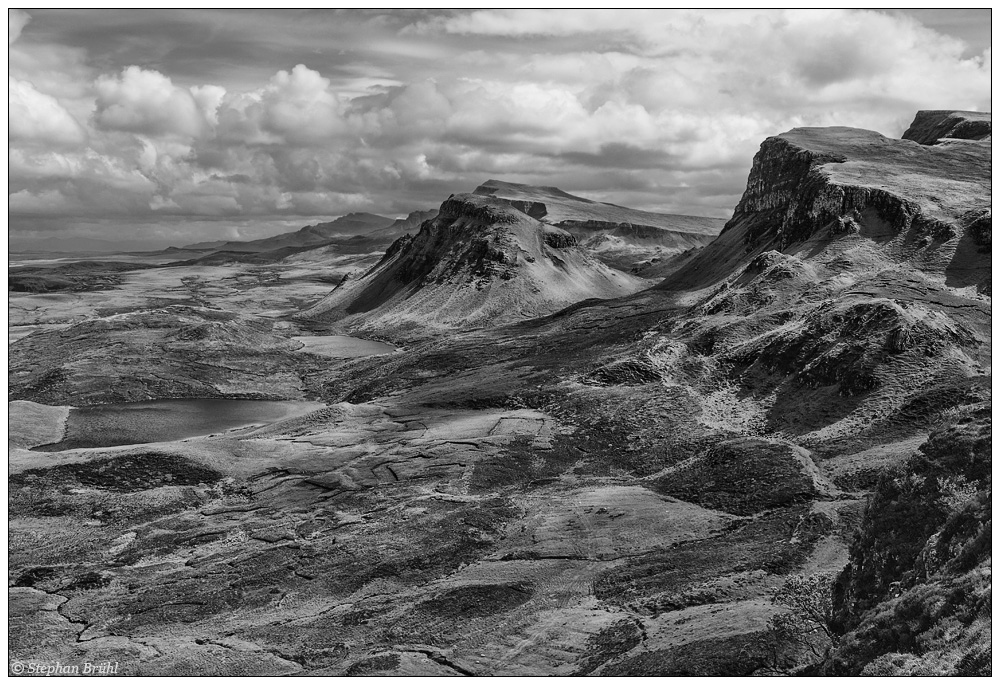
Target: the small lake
(342, 346)
(135, 423)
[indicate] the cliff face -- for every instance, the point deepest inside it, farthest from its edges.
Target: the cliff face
(791, 195)
(925, 206)
(930, 127)
(479, 261)
(852, 280)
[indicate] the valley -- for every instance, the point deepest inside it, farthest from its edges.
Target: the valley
(525, 433)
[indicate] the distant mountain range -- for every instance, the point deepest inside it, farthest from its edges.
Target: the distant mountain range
(646, 244)
(349, 225)
(76, 245)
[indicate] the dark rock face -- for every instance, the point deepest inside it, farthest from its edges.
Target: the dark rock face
(824, 184)
(790, 196)
(479, 209)
(929, 127)
(456, 242)
(536, 210)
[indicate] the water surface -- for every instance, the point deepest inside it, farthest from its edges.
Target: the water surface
(343, 346)
(135, 423)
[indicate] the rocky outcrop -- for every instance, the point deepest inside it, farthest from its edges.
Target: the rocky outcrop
(480, 260)
(824, 184)
(931, 126)
(915, 598)
(791, 193)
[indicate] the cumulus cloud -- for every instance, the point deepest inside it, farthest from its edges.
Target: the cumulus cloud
(297, 107)
(147, 102)
(34, 117)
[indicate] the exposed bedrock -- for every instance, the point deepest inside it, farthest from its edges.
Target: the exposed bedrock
(790, 196)
(926, 205)
(932, 125)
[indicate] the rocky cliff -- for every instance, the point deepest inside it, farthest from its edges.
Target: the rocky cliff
(933, 126)
(924, 206)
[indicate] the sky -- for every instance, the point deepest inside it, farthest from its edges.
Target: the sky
(166, 127)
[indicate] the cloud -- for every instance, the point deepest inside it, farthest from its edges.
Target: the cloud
(34, 117)
(16, 21)
(250, 116)
(147, 102)
(296, 107)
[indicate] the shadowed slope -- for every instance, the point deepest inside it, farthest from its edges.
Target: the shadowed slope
(933, 126)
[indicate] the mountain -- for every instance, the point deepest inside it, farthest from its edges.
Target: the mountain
(895, 201)
(199, 352)
(627, 239)
(777, 462)
(358, 223)
(480, 261)
(827, 358)
(915, 598)
(352, 234)
(852, 282)
(411, 222)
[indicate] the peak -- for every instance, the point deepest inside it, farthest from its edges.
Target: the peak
(523, 191)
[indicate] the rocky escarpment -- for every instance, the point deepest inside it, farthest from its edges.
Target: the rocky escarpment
(920, 204)
(460, 224)
(479, 261)
(797, 188)
(933, 126)
(852, 280)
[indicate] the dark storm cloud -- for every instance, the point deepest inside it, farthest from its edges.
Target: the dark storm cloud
(145, 121)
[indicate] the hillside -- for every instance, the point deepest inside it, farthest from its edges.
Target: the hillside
(479, 262)
(844, 315)
(896, 201)
(646, 243)
(777, 462)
